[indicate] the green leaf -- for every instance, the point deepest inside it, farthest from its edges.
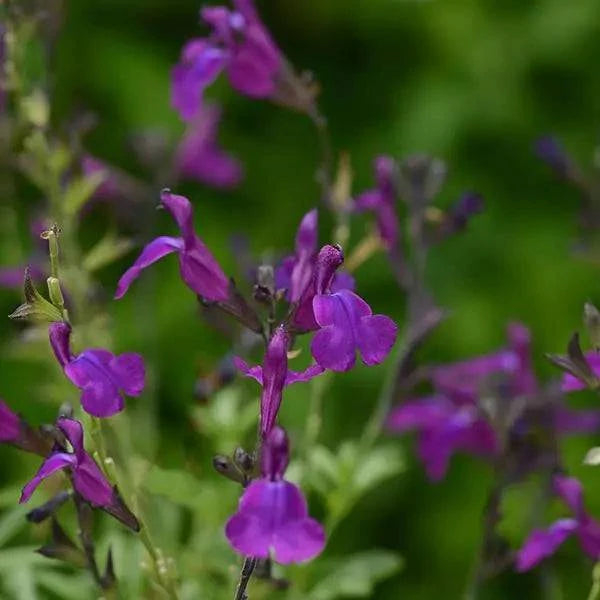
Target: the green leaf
(226, 419)
(66, 586)
(380, 464)
(19, 582)
(11, 558)
(106, 251)
(12, 522)
(324, 468)
(356, 575)
(79, 191)
(36, 307)
(180, 487)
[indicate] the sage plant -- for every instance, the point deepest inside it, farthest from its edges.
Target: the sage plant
(255, 490)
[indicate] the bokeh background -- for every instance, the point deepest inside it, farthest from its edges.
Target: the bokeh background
(473, 83)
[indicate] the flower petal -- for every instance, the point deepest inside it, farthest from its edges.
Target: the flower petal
(91, 371)
(589, 537)
(200, 65)
(418, 414)
(369, 200)
(73, 431)
(181, 210)
(576, 421)
(334, 345)
(303, 376)
(247, 536)
(90, 482)
(543, 543)
(570, 383)
(199, 157)
(571, 491)
(273, 514)
(130, 372)
(299, 541)
(53, 463)
(376, 336)
(154, 251)
(60, 339)
(254, 372)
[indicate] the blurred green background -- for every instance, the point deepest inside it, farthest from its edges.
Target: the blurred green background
(473, 83)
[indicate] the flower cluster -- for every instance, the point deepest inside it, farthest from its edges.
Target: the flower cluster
(456, 418)
(272, 512)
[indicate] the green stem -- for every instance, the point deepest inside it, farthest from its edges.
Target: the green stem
(159, 563)
(385, 399)
(314, 418)
(595, 591)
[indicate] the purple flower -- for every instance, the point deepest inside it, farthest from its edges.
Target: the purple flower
(199, 269)
(462, 380)
(199, 156)
(10, 424)
(88, 479)
(542, 543)
(570, 383)
(238, 43)
(273, 376)
(444, 427)
(381, 200)
(102, 376)
(110, 188)
(567, 421)
(272, 516)
(550, 150)
(295, 272)
(460, 213)
(344, 320)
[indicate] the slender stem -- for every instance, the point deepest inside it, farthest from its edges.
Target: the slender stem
(314, 418)
(595, 590)
(84, 519)
(385, 398)
(491, 517)
(326, 167)
(245, 574)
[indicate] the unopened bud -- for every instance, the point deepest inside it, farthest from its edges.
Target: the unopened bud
(224, 466)
(243, 460)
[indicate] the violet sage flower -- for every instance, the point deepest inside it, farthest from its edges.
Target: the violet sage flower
(88, 479)
(240, 44)
(272, 517)
(382, 199)
(110, 187)
(344, 320)
(103, 377)
(463, 379)
(295, 271)
(273, 376)
(445, 427)
(451, 419)
(542, 543)
(199, 269)
(199, 157)
(551, 151)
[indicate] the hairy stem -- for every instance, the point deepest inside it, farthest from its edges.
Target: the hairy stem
(245, 575)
